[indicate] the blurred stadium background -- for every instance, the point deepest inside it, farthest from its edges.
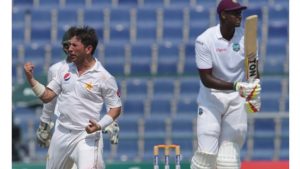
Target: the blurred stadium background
(148, 45)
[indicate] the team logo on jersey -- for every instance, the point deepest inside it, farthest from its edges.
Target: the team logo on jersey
(200, 111)
(221, 50)
(236, 47)
(88, 86)
(67, 76)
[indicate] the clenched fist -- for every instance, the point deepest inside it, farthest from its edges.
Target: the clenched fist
(28, 68)
(92, 127)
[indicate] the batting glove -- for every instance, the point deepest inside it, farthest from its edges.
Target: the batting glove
(253, 105)
(43, 134)
(113, 131)
(248, 90)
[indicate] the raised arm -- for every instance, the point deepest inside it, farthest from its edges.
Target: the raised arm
(44, 93)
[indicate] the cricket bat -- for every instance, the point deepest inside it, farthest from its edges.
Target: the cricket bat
(251, 62)
(250, 45)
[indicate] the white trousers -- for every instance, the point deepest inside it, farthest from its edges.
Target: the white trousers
(221, 117)
(72, 146)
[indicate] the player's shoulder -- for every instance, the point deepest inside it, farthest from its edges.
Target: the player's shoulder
(104, 73)
(207, 35)
(56, 66)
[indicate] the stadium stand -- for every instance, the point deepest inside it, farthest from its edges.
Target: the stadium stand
(153, 3)
(93, 17)
(257, 2)
(186, 107)
(67, 16)
(206, 3)
(141, 58)
(134, 108)
(102, 4)
(179, 3)
(167, 58)
(278, 14)
(127, 150)
(75, 3)
(163, 88)
(19, 33)
(40, 16)
(40, 34)
(23, 3)
(284, 139)
(188, 86)
(160, 107)
(136, 88)
(49, 4)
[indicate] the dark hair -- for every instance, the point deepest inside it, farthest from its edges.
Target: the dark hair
(66, 37)
(86, 34)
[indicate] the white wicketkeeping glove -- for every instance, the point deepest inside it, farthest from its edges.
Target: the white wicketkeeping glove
(248, 90)
(253, 105)
(43, 134)
(113, 131)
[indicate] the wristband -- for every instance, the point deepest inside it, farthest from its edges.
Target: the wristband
(38, 89)
(105, 121)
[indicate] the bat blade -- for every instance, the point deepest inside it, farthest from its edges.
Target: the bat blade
(250, 44)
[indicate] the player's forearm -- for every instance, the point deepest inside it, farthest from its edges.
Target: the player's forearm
(32, 81)
(107, 119)
(114, 112)
(48, 96)
(210, 81)
(45, 94)
(218, 84)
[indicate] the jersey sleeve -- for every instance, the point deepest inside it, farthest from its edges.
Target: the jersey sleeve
(48, 108)
(55, 83)
(203, 55)
(48, 111)
(52, 72)
(111, 94)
